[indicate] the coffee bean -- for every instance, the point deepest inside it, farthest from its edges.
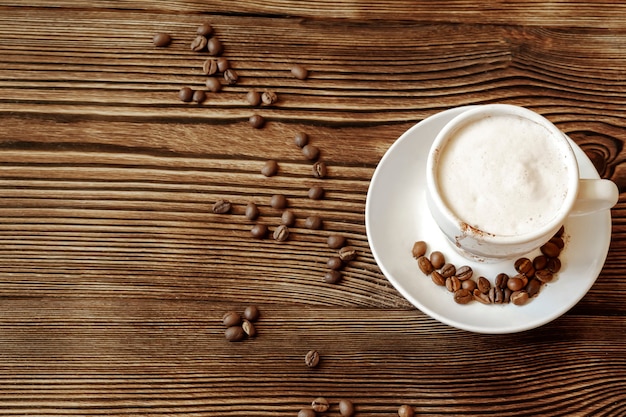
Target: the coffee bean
(515, 283)
(405, 411)
(199, 96)
(231, 318)
(320, 170)
(222, 206)
(560, 232)
(544, 275)
(550, 249)
(161, 40)
(540, 262)
(251, 313)
(519, 297)
(205, 30)
(448, 270)
(524, 266)
(252, 211)
(253, 98)
(257, 121)
(347, 253)
(554, 265)
(464, 273)
(306, 412)
(213, 84)
(278, 201)
(496, 295)
(419, 249)
(214, 46)
(507, 296)
(533, 287)
(559, 242)
(209, 66)
(270, 168)
(259, 231)
(281, 233)
(437, 278)
(501, 280)
(320, 405)
(333, 276)
(248, 328)
(199, 43)
(483, 285)
(230, 76)
(453, 284)
(310, 152)
(346, 408)
(222, 64)
(299, 72)
(316, 192)
(234, 334)
(301, 139)
(312, 358)
(468, 284)
(185, 94)
(269, 97)
(313, 222)
(425, 265)
(481, 297)
(336, 241)
(288, 218)
(437, 259)
(334, 262)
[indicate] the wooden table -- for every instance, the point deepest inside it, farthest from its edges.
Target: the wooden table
(115, 272)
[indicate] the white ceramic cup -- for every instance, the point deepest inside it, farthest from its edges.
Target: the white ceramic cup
(502, 179)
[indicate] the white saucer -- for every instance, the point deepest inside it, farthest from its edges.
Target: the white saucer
(396, 215)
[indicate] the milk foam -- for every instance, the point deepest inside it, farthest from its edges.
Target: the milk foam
(503, 175)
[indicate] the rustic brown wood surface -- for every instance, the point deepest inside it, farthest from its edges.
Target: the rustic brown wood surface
(115, 273)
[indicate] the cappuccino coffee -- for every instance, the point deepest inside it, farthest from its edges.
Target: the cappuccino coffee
(503, 175)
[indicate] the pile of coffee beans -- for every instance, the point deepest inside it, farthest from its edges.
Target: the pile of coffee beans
(322, 405)
(517, 289)
(240, 326)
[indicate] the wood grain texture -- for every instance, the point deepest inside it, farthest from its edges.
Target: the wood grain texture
(115, 273)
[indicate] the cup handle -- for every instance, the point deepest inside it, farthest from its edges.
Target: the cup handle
(594, 195)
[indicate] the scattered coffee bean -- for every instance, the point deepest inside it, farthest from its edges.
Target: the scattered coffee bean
(496, 295)
(185, 94)
(437, 278)
(313, 222)
(419, 249)
(334, 262)
(346, 408)
(259, 231)
(288, 218)
(507, 295)
(336, 241)
(481, 297)
(316, 192)
(448, 270)
(161, 39)
(199, 43)
(533, 287)
(425, 265)
(550, 249)
(253, 98)
(310, 152)
(483, 285)
(299, 72)
(544, 275)
(248, 328)
(515, 283)
(278, 201)
(501, 280)
(270, 168)
(468, 284)
(554, 265)
(312, 358)
(464, 273)
(301, 139)
(209, 66)
(213, 84)
(437, 259)
(524, 266)
(519, 297)
(222, 206)
(540, 262)
(230, 76)
(231, 318)
(333, 276)
(205, 30)
(281, 233)
(560, 232)
(453, 284)
(306, 412)
(269, 97)
(222, 64)
(257, 121)
(558, 241)
(199, 96)
(251, 313)
(214, 46)
(234, 334)
(347, 253)
(320, 405)
(406, 411)
(320, 170)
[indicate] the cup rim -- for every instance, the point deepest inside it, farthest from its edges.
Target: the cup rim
(501, 109)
